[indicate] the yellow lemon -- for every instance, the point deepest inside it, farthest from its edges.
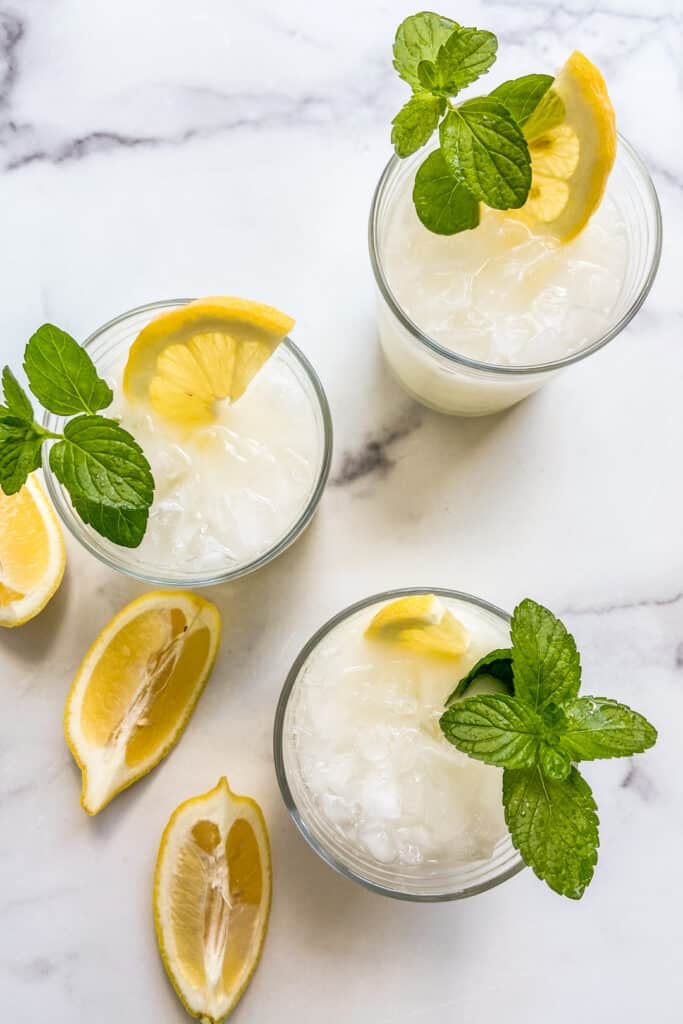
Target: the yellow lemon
(137, 688)
(570, 160)
(420, 623)
(185, 360)
(212, 891)
(32, 553)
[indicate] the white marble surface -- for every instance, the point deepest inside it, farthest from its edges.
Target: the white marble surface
(169, 148)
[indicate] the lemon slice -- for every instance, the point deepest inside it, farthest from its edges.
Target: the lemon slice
(183, 361)
(420, 623)
(212, 889)
(136, 689)
(32, 553)
(571, 161)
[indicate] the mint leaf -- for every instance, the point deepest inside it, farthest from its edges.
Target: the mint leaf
(497, 664)
(485, 148)
(16, 399)
(466, 54)
(62, 375)
(20, 452)
(443, 204)
(415, 123)
(522, 95)
(496, 729)
(107, 476)
(548, 115)
(545, 661)
(597, 727)
(123, 526)
(555, 763)
(554, 825)
(428, 75)
(418, 38)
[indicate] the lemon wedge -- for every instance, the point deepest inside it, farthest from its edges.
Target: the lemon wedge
(572, 160)
(212, 890)
(32, 553)
(183, 361)
(137, 688)
(421, 624)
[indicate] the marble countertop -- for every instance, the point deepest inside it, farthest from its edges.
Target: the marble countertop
(165, 148)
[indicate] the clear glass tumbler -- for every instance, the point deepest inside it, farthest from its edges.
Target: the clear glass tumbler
(425, 882)
(108, 347)
(452, 383)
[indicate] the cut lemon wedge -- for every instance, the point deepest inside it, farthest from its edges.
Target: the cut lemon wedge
(185, 360)
(136, 689)
(421, 624)
(571, 161)
(212, 890)
(32, 553)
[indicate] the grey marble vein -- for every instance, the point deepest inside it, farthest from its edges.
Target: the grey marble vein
(608, 609)
(637, 780)
(374, 455)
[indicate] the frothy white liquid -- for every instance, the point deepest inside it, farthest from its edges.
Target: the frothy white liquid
(502, 293)
(365, 722)
(228, 492)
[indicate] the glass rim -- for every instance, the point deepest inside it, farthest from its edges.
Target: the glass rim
(77, 528)
(278, 734)
(522, 369)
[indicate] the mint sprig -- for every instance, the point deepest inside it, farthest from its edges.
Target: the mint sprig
(483, 150)
(522, 95)
(443, 203)
(62, 375)
(554, 825)
(536, 733)
(100, 464)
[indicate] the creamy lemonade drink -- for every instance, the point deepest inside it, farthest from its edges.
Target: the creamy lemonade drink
(374, 782)
(427, 744)
(524, 241)
(234, 425)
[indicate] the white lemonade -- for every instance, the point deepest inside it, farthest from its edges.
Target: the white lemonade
(506, 293)
(235, 428)
(229, 490)
(509, 234)
(367, 761)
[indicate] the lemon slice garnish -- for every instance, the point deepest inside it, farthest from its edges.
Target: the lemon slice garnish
(212, 890)
(572, 161)
(183, 361)
(136, 689)
(32, 553)
(420, 623)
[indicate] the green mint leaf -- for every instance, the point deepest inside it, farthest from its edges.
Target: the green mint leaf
(522, 95)
(16, 399)
(555, 763)
(62, 375)
(554, 825)
(107, 476)
(496, 729)
(428, 75)
(443, 204)
(497, 664)
(20, 452)
(548, 115)
(597, 727)
(418, 38)
(467, 54)
(415, 123)
(545, 661)
(485, 148)
(124, 526)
